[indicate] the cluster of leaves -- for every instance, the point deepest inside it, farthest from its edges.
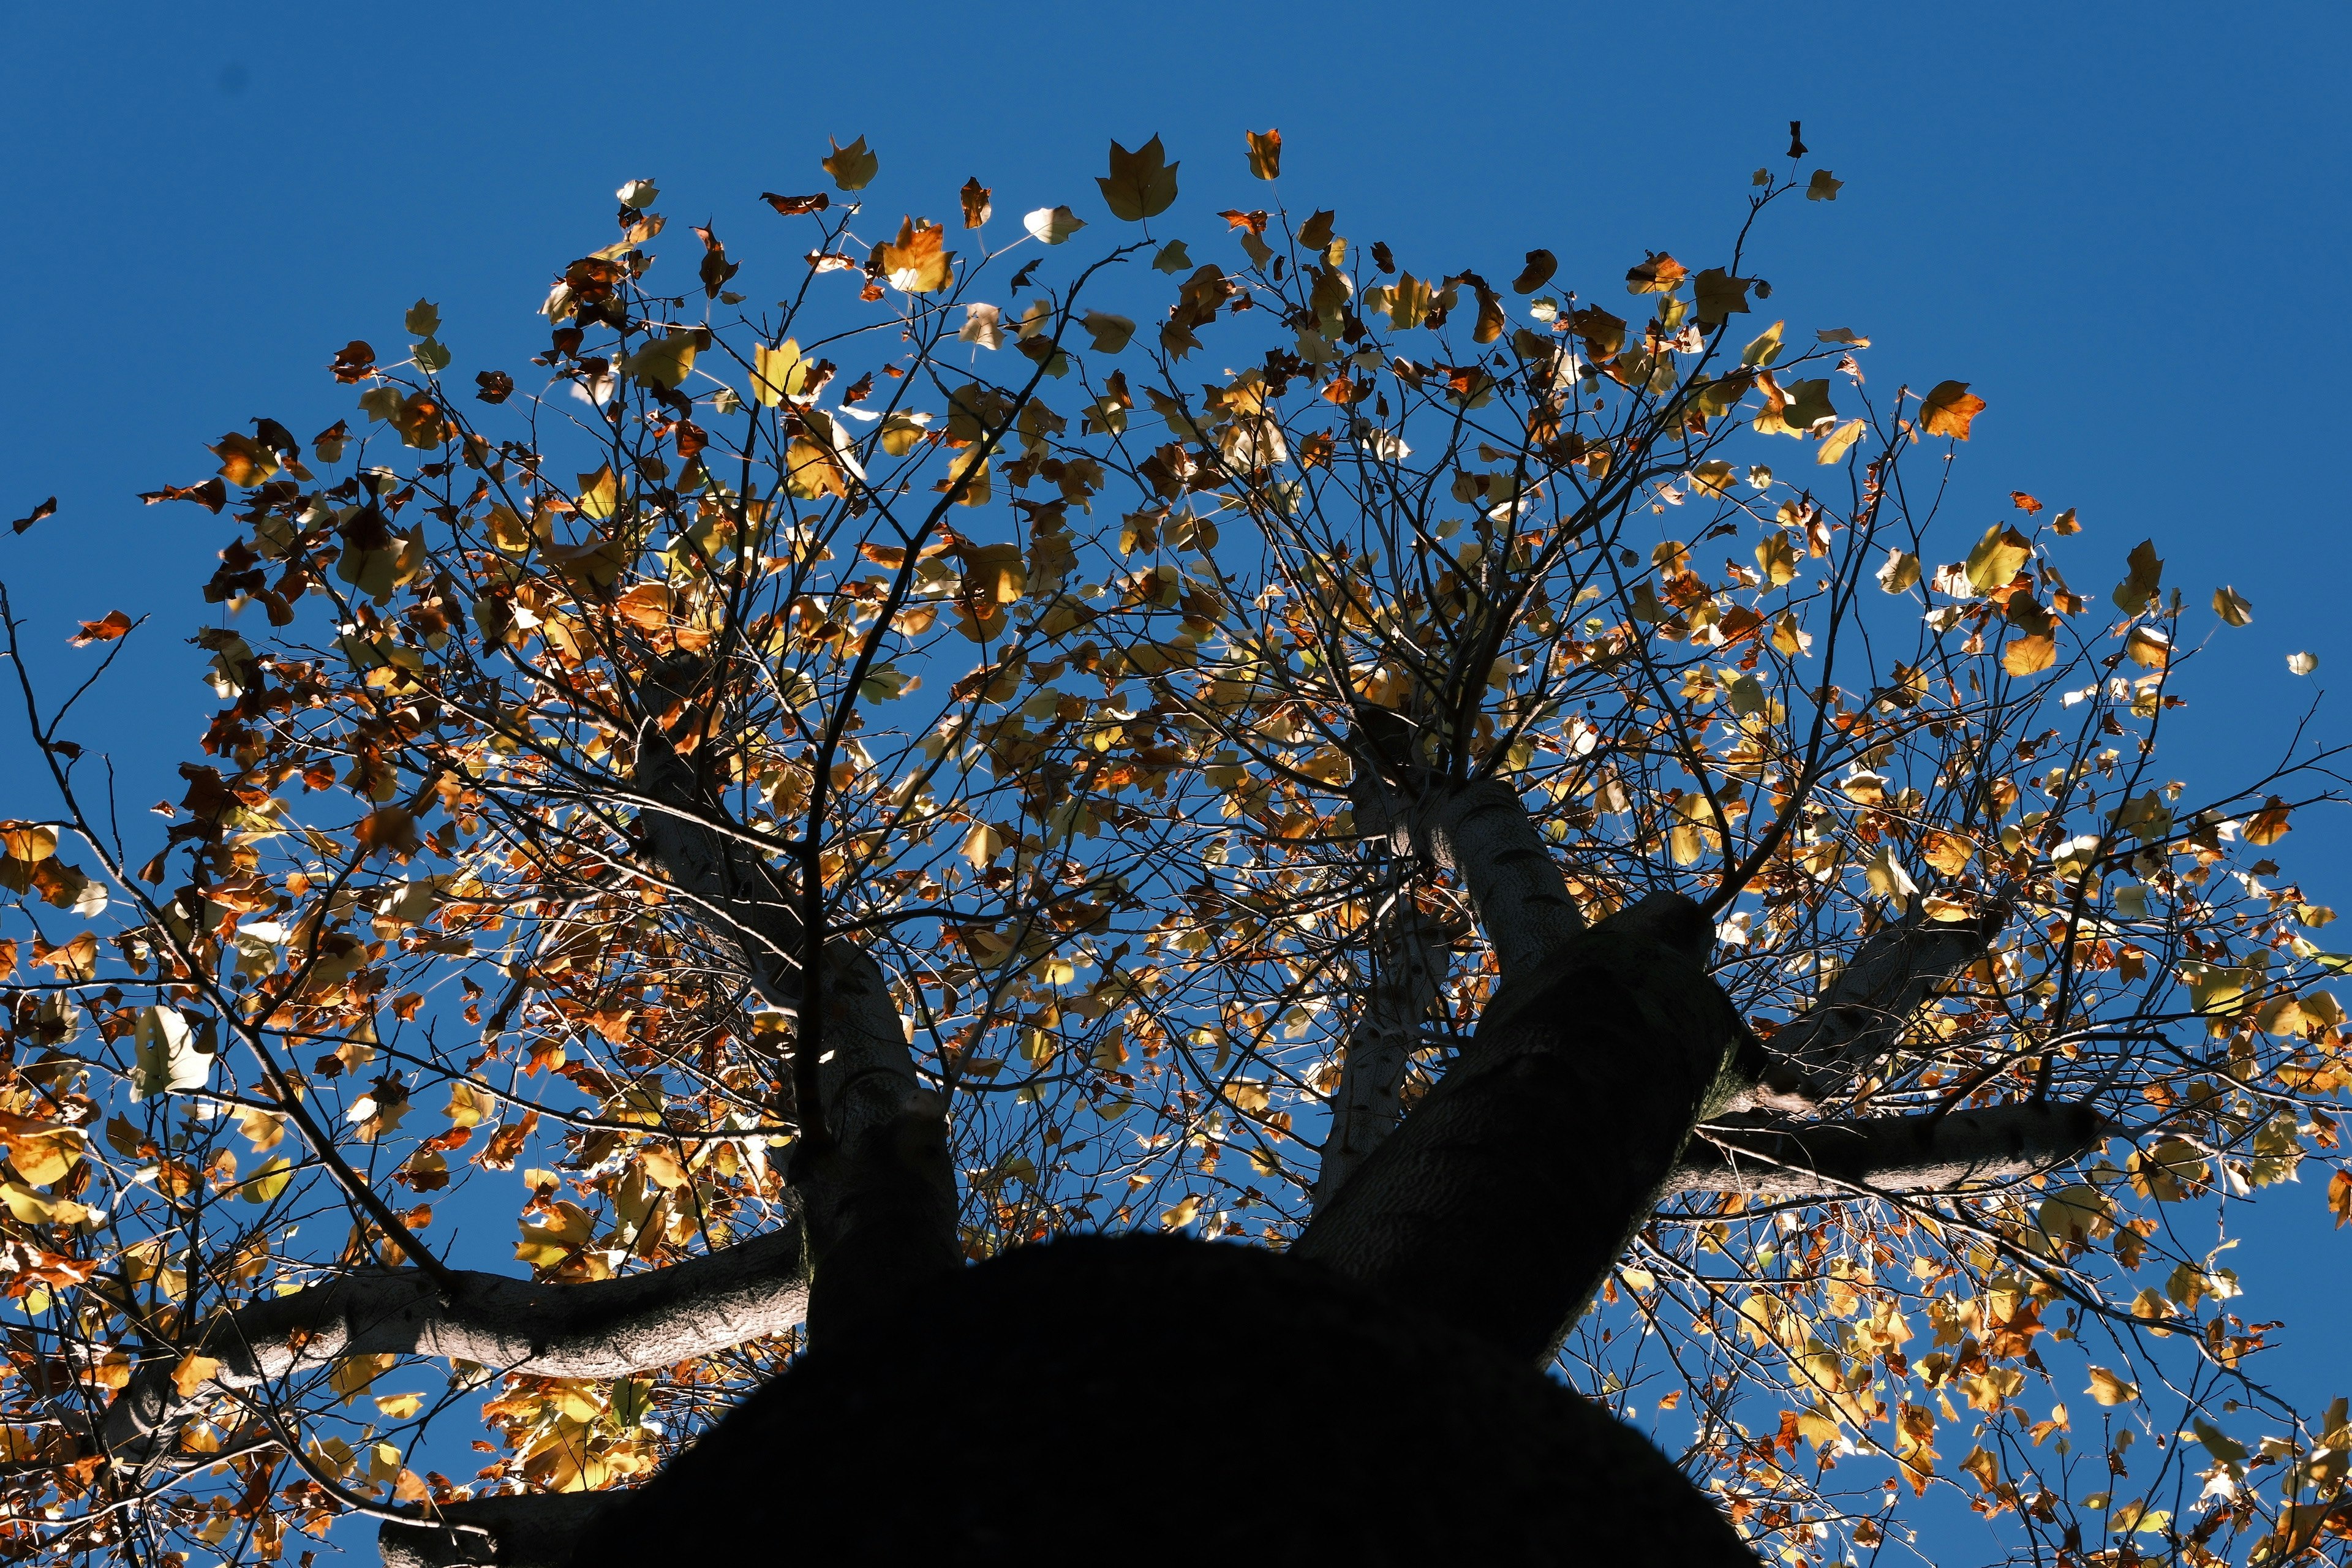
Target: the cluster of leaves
(1050, 657)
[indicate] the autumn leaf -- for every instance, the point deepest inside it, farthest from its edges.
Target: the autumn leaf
(1110, 334)
(2302, 663)
(976, 208)
(794, 206)
(2232, 606)
(916, 262)
(1821, 187)
(1540, 265)
(1997, 558)
(388, 830)
(1141, 184)
(2109, 1389)
(115, 624)
(1947, 410)
(2339, 1197)
(666, 361)
(46, 508)
(1657, 275)
(1838, 442)
(2139, 586)
(193, 1372)
(1264, 153)
(852, 167)
(1053, 225)
(1720, 296)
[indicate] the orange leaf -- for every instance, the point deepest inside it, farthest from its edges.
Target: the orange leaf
(1264, 153)
(1948, 409)
(115, 624)
(390, 830)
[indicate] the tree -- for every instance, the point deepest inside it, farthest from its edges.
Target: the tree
(799, 811)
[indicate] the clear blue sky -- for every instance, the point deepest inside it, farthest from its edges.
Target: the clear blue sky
(2126, 224)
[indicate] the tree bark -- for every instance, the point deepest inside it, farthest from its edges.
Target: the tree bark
(1517, 1182)
(606, 1328)
(1860, 1015)
(1927, 1154)
(1481, 832)
(1403, 982)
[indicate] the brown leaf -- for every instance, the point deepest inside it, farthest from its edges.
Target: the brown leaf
(1948, 409)
(1658, 274)
(793, 206)
(391, 829)
(212, 494)
(497, 385)
(46, 508)
(353, 362)
(115, 624)
(1542, 264)
(976, 205)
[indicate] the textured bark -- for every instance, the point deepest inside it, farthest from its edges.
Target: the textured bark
(1860, 1017)
(1365, 1108)
(878, 1195)
(540, 1530)
(1481, 832)
(606, 1328)
(1503, 1201)
(1929, 1154)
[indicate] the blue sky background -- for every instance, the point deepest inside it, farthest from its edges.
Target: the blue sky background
(2125, 225)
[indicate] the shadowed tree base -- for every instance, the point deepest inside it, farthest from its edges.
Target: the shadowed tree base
(1149, 1399)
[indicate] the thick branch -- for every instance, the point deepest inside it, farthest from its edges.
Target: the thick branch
(605, 1327)
(1860, 1015)
(1926, 1154)
(1517, 1182)
(1481, 832)
(537, 1530)
(877, 1189)
(1365, 1108)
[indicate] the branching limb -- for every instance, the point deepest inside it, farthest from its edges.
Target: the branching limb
(1365, 1108)
(1860, 1015)
(605, 1327)
(1481, 832)
(1926, 1154)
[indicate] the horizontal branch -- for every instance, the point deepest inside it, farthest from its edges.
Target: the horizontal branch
(536, 1530)
(605, 1328)
(1923, 1153)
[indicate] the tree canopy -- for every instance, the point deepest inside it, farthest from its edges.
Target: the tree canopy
(1153, 693)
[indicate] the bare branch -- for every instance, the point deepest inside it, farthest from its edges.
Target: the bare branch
(1926, 1154)
(605, 1327)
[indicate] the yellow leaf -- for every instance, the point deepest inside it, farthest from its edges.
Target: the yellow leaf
(193, 1372)
(1765, 347)
(265, 1183)
(1838, 442)
(2131, 595)
(1900, 571)
(1264, 153)
(982, 845)
(28, 841)
(2232, 606)
(664, 361)
(2149, 648)
(1821, 187)
(1947, 410)
(916, 262)
(599, 493)
(399, 1407)
(852, 167)
(1052, 225)
(2109, 1389)
(2029, 655)
(1110, 332)
(1142, 183)
(777, 372)
(1997, 558)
